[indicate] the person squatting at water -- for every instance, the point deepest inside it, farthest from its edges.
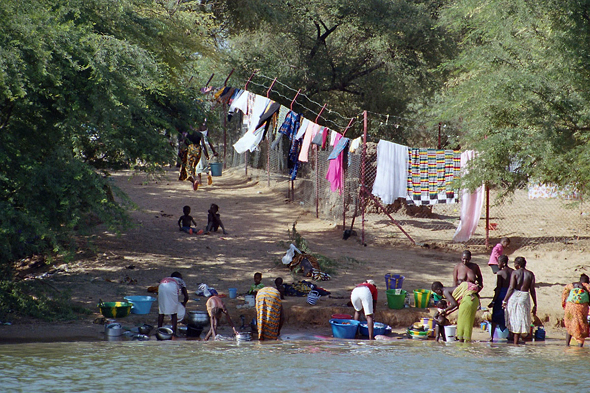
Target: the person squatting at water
(169, 290)
(364, 297)
(269, 313)
(517, 303)
(574, 301)
(465, 298)
(215, 308)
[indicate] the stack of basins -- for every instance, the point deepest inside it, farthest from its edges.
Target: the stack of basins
(196, 322)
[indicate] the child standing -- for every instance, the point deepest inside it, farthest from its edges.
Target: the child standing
(441, 320)
(184, 222)
(214, 220)
(496, 252)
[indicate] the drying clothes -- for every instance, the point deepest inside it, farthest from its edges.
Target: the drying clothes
(302, 128)
(355, 144)
(291, 124)
(312, 130)
(325, 137)
(391, 180)
(471, 204)
(290, 127)
(537, 190)
(333, 136)
(227, 94)
(268, 313)
(240, 101)
(431, 174)
(319, 136)
(252, 137)
(335, 174)
(341, 144)
(268, 113)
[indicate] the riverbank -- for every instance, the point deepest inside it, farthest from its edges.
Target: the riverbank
(258, 218)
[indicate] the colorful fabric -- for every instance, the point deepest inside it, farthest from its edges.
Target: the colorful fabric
(537, 190)
(471, 204)
(255, 288)
(518, 312)
(289, 128)
(190, 158)
(339, 146)
(463, 289)
(335, 172)
(466, 315)
(496, 252)
(430, 176)
(575, 316)
(312, 130)
(318, 275)
(268, 313)
(498, 311)
(578, 296)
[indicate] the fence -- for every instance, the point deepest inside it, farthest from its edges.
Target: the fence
(526, 221)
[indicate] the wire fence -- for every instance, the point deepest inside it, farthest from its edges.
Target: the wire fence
(525, 221)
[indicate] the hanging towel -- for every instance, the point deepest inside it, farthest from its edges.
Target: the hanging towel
(333, 136)
(355, 144)
(312, 130)
(391, 181)
(471, 204)
(302, 129)
(341, 143)
(334, 174)
(251, 139)
(240, 102)
(430, 176)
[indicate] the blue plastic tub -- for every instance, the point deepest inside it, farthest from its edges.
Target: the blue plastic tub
(141, 304)
(379, 329)
(344, 328)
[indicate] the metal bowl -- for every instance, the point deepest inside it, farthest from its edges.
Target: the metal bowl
(145, 329)
(244, 336)
(197, 318)
(164, 333)
(113, 330)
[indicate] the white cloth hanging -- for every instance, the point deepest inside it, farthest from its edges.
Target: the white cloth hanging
(471, 204)
(391, 181)
(251, 139)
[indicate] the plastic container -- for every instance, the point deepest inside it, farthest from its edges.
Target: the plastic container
(344, 328)
(250, 300)
(341, 316)
(216, 168)
(379, 329)
(395, 302)
(115, 309)
(141, 304)
(394, 281)
(540, 334)
(233, 293)
(500, 334)
(313, 297)
(421, 298)
(450, 333)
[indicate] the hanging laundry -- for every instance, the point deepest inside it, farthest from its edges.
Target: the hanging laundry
(341, 143)
(391, 180)
(355, 144)
(541, 190)
(268, 113)
(252, 137)
(430, 176)
(283, 111)
(290, 128)
(325, 137)
(240, 102)
(319, 137)
(333, 136)
(302, 128)
(471, 204)
(312, 130)
(334, 174)
(226, 94)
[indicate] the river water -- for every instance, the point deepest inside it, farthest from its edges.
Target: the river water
(297, 363)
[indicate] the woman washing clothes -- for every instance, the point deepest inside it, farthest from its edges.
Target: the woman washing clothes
(574, 301)
(464, 297)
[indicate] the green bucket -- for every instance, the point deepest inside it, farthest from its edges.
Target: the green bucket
(395, 302)
(421, 298)
(216, 168)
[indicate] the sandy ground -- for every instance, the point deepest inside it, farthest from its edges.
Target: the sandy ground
(257, 219)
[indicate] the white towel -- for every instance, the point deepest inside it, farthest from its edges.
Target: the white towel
(471, 204)
(302, 128)
(391, 181)
(251, 139)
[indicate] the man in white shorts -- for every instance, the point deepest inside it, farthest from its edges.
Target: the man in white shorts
(364, 297)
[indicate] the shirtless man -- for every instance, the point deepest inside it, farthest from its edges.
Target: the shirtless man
(467, 271)
(517, 302)
(502, 284)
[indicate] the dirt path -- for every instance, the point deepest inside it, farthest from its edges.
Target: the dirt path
(257, 220)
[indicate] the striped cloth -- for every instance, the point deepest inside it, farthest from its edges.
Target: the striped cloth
(430, 176)
(268, 313)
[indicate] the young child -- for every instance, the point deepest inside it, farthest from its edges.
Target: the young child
(441, 320)
(184, 222)
(216, 308)
(280, 286)
(214, 220)
(257, 284)
(496, 252)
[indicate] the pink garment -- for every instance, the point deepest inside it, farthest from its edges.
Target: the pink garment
(334, 174)
(471, 205)
(496, 252)
(325, 137)
(312, 130)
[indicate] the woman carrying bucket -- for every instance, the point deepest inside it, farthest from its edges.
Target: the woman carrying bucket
(465, 298)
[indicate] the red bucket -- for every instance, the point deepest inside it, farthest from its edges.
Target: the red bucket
(341, 316)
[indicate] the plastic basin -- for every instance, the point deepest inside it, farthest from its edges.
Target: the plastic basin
(341, 316)
(395, 302)
(115, 309)
(344, 328)
(421, 298)
(141, 304)
(378, 329)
